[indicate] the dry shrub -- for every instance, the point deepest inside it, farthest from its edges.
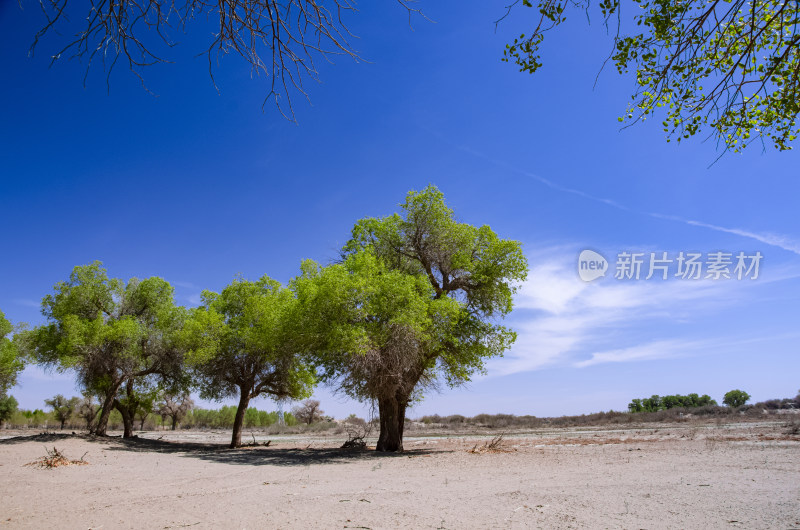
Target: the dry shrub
(56, 458)
(792, 428)
(495, 445)
(357, 431)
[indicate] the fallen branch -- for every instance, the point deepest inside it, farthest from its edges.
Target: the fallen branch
(56, 458)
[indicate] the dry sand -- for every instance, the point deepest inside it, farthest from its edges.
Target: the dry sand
(673, 476)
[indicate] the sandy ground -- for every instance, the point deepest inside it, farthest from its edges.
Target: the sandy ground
(674, 476)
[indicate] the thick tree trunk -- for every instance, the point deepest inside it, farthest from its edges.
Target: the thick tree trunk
(174, 422)
(127, 419)
(392, 419)
(244, 401)
(141, 423)
(62, 424)
(108, 404)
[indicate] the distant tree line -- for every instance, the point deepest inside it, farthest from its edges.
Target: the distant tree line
(77, 413)
(656, 402)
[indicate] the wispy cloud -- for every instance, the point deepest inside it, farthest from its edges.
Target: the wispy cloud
(561, 320)
(662, 349)
(776, 240)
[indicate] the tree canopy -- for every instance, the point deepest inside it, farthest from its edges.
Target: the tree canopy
(413, 302)
(11, 362)
(244, 344)
(736, 398)
(730, 66)
(109, 332)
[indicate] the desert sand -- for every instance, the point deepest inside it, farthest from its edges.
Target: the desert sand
(650, 476)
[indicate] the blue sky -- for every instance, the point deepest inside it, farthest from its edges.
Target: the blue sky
(197, 186)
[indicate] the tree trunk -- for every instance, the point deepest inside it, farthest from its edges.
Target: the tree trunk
(108, 404)
(141, 423)
(62, 424)
(392, 418)
(244, 401)
(174, 422)
(127, 419)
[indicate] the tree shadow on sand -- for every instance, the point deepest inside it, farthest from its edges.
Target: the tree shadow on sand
(219, 453)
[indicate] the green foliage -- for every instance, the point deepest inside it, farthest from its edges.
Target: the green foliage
(223, 418)
(733, 66)
(251, 418)
(8, 406)
(655, 403)
(289, 419)
(11, 362)
(244, 340)
(736, 398)
(422, 287)
(110, 332)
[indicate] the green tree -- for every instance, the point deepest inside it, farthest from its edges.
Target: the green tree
(11, 361)
(251, 418)
(731, 66)
(8, 406)
(656, 403)
(414, 302)
(289, 420)
(109, 333)
(736, 398)
(63, 408)
(244, 344)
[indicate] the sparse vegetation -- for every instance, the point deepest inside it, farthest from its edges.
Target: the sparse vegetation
(495, 445)
(792, 428)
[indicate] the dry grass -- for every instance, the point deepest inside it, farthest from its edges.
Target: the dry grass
(495, 445)
(792, 428)
(56, 458)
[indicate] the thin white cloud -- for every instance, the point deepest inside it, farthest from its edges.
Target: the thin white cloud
(662, 349)
(776, 240)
